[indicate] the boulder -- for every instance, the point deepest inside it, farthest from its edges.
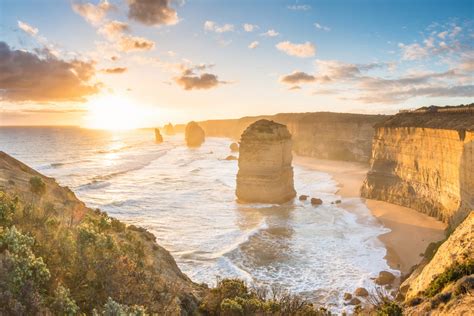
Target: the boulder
(316, 201)
(234, 147)
(385, 278)
(265, 172)
(169, 129)
(354, 301)
(158, 137)
(230, 157)
(347, 296)
(194, 134)
(303, 197)
(338, 202)
(362, 292)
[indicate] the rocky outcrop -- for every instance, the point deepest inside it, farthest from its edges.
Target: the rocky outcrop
(425, 161)
(194, 134)
(234, 147)
(325, 135)
(169, 129)
(158, 137)
(265, 173)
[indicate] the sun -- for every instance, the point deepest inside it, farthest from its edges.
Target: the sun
(113, 112)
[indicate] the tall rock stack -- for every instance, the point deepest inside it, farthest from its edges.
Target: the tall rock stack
(265, 172)
(169, 129)
(158, 137)
(194, 134)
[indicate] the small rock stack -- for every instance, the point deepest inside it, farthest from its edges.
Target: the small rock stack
(265, 172)
(194, 134)
(158, 137)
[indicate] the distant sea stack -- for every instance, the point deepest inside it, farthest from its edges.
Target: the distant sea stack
(169, 129)
(424, 159)
(265, 172)
(194, 134)
(158, 137)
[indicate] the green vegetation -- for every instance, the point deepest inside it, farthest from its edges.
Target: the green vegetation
(383, 304)
(49, 266)
(37, 185)
(453, 273)
(232, 297)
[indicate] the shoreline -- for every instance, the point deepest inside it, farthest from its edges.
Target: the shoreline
(410, 231)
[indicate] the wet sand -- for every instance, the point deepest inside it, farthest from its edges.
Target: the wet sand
(411, 231)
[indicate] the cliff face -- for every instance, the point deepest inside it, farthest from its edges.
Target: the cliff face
(85, 252)
(445, 286)
(338, 136)
(265, 172)
(425, 161)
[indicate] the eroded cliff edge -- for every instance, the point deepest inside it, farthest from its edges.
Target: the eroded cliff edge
(425, 160)
(325, 135)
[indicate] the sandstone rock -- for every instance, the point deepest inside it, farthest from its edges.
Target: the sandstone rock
(234, 147)
(338, 202)
(230, 157)
(347, 296)
(303, 197)
(194, 134)
(265, 172)
(354, 301)
(158, 137)
(384, 278)
(362, 292)
(169, 129)
(316, 201)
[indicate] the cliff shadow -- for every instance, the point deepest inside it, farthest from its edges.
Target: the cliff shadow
(466, 179)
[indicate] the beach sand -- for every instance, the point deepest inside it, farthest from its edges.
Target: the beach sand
(411, 231)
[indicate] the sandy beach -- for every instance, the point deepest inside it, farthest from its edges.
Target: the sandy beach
(411, 231)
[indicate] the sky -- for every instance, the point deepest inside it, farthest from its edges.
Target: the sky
(143, 63)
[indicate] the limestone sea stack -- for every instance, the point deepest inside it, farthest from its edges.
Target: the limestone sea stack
(158, 137)
(265, 173)
(169, 129)
(194, 134)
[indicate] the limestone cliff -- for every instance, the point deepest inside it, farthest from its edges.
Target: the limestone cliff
(425, 160)
(194, 134)
(445, 285)
(338, 136)
(265, 172)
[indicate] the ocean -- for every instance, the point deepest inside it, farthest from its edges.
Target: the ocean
(186, 198)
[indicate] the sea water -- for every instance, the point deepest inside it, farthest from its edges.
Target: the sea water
(186, 198)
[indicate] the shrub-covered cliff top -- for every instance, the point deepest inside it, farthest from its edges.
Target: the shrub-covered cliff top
(265, 129)
(459, 117)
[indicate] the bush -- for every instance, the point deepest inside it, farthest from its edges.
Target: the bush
(383, 304)
(8, 208)
(37, 185)
(451, 274)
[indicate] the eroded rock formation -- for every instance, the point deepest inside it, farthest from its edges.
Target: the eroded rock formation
(265, 172)
(158, 137)
(234, 147)
(169, 129)
(425, 161)
(194, 134)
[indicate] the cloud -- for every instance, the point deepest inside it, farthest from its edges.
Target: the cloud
(443, 35)
(294, 88)
(253, 45)
(113, 29)
(152, 12)
(190, 79)
(28, 76)
(270, 33)
(128, 43)
(27, 28)
(321, 27)
(94, 14)
(213, 27)
(303, 50)
(297, 77)
(116, 70)
(299, 7)
(413, 51)
(249, 27)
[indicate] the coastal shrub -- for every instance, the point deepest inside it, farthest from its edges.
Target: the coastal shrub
(112, 308)
(451, 274)
(62, 303)
(383, 304)
(8, 207)
(37, 185)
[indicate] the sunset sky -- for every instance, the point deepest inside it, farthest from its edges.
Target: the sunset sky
(137, 63)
